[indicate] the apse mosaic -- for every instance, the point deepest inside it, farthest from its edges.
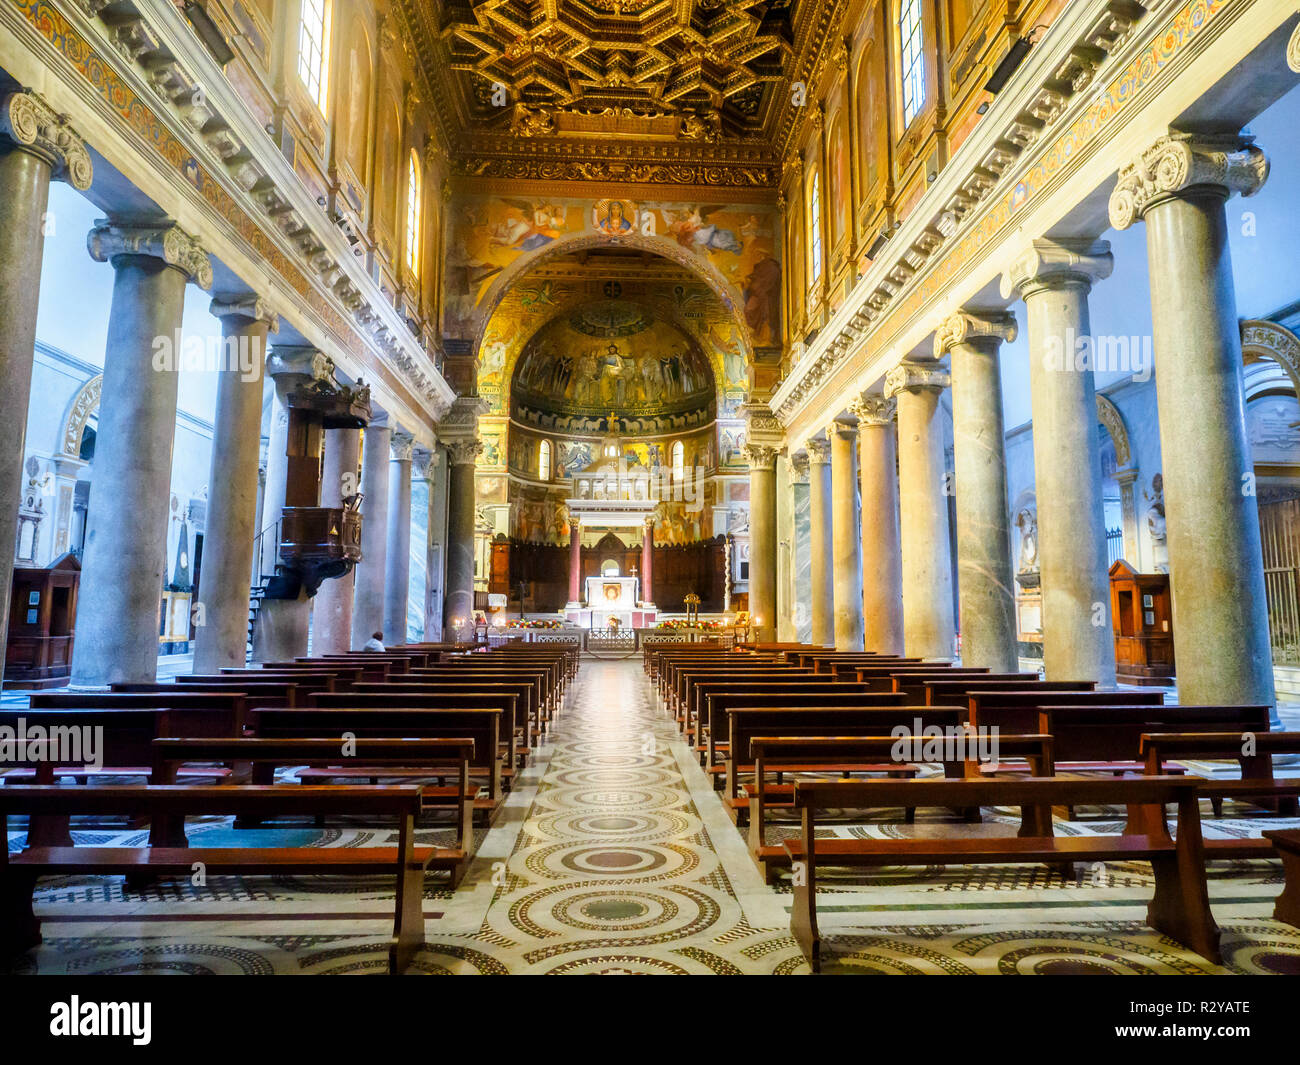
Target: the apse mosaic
(612, 357)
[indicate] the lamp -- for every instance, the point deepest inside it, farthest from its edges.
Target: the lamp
(1011, 61)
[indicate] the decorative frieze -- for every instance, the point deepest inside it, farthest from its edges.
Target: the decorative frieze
(33, 126)
(1182, 161)
(111, 240)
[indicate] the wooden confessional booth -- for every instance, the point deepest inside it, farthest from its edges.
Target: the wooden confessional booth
(42, 606)
(1141, 611)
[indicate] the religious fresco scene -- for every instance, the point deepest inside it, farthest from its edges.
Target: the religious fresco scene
(613, 487)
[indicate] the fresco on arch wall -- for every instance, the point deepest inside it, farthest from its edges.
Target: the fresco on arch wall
(487, 234)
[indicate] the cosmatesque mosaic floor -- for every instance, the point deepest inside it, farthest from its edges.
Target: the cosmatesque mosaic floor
(613, 855)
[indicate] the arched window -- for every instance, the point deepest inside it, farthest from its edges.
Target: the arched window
(544, 461)
(911, 40)
(814, 229)
(413, 215)
(314, 49)
(679, 461)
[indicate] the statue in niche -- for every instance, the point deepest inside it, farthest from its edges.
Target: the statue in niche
(1156, 524)
(1027, 524)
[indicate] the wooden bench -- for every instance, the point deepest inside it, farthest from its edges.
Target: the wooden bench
(1287, 844)
(512, 720)
(1179, 909)
(809, 683)
(224, 712)
(483, 726)
(777, 755)
(255, 693)
(524, 713)
(438, 758)
(1256, 781)
(1016, 711)
(19, 873)
(712, 740)
(745, 722)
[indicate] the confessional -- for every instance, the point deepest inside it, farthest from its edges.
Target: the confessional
(42, 607)
(1142, 614)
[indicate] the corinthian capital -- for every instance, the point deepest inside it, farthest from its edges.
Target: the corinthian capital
(400, 446)
(34, 126)
(1181, 161)
(1057, 264)
(760, 456)
(873, 410)
(915, 377)
(965, 327)
(463, 452)
(110, 240)
(819, 451)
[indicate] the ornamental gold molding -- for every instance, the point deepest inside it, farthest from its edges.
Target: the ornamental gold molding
(33, 126)
(963, 327)
(1181, 161)
(110, 240)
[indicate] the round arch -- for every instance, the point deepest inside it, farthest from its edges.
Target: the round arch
(83, 405)
(706, 271)
(1262, 340)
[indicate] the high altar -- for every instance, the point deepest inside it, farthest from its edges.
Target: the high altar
(607, 495)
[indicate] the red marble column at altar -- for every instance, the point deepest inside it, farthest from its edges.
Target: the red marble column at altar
(647, 563)
(575, 563)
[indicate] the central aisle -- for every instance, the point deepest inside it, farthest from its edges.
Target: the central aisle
(614, 856)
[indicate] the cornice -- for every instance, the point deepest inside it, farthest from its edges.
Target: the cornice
(1080, 48)
(178, 77)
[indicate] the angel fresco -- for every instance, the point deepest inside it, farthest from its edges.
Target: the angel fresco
(528, 226)
(692, 229)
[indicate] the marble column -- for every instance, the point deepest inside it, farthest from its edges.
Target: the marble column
(281, 630)
(847, 536)
(882, 564)
(648, 564)
(822, 592)
(331, 615)
(785, 610)
(459, 604)
(762, 540)
(971, 340)
(397, 580)
(221, 628)
(126, 540)
(800, 549)
(575, 564)
(1054, 279)
(1178, 187)
(928, 628)
(371, 571)
(36, 146)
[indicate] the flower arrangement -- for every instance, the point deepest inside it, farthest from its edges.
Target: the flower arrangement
(534, 623)
(709, 625)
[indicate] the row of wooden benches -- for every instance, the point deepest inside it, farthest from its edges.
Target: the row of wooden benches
(764, 714)
(464, 721)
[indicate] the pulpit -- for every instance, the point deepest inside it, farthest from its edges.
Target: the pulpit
(1141, 612)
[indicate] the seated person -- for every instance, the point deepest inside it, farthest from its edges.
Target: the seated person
(375, 643)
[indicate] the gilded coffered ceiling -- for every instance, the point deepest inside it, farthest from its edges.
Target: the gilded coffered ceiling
(673, 91)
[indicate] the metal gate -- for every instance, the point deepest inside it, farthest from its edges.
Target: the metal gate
(1279, 527)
